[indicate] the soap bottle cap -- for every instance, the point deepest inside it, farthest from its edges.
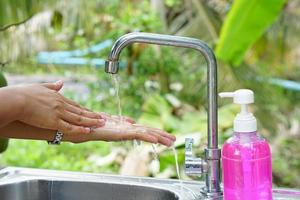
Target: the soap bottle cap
(245, 121)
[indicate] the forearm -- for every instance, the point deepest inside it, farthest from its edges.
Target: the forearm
(20, 130)
(11, 106)
(110, 132)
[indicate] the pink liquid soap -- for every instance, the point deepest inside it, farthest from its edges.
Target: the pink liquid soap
(247, 168)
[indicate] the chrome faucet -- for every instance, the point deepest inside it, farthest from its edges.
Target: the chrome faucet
(194, 166)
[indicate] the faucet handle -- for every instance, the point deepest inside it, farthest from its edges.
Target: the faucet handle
(189, 147)
(193, 166)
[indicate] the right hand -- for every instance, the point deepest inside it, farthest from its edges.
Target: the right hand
(45, 108)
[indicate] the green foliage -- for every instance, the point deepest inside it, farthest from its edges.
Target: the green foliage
(244, 24)
(157, 113)
(172, 3)
(64, 157)
(3, 141)
(14, 11)
(286, 165)
(96, 21)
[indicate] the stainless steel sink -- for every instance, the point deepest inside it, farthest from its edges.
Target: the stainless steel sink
(69, 190)
(36, 184)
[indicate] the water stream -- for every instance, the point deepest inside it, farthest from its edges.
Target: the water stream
(176, 162)
(115, 78)
(116, 82)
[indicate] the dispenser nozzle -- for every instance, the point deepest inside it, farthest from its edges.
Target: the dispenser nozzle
(226, 94)
(244, 121)
(242, 96)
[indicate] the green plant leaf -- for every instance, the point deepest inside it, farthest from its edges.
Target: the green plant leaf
(158, 113)
(15, 11)
(244, 24)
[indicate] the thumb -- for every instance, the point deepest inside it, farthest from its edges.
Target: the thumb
(54, 86)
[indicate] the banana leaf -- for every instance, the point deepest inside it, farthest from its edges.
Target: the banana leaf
(3, 141)
(244, 24)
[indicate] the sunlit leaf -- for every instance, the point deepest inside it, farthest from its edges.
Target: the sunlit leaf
(244, 24)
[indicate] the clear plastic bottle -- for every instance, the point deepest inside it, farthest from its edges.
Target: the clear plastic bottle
(246, 157)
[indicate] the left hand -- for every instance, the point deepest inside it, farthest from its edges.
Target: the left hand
(44, 107)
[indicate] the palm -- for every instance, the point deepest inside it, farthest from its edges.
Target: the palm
(122, 128)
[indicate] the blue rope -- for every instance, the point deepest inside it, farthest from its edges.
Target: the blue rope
(45, 55)
(287, 84)
(74, 58)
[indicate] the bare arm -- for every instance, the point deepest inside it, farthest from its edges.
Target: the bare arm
(20, 130)
(112, 131)
(11, 106)
(42, 106)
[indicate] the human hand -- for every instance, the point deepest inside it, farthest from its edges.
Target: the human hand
(122, 128)
(44, 107)
(116, 118)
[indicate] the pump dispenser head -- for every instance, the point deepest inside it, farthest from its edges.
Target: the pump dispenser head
(244, 122)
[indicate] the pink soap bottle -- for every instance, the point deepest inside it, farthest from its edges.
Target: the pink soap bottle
(246, 157)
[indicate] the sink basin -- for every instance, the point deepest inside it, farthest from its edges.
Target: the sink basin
(36, 184)
(67, 190)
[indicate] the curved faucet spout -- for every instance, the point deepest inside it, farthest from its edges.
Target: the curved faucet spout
(212, 152)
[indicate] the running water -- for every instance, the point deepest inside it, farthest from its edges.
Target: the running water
(155, 152)
(115, 78)
(176, 162)
(177, 170)
(116, 81)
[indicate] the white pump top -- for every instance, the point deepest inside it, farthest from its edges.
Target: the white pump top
(244, 122)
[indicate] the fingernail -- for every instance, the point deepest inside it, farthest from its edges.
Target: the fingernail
(101, 121)
(88, 130)
(101, 116)
(58, 82)
(170, 143)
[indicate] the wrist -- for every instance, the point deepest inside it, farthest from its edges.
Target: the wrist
(75, 138)
(13, 104)
(18, 102)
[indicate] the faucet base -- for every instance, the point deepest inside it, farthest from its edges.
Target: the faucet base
(211, 195)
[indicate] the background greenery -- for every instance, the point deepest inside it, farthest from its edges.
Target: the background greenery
(162, 87)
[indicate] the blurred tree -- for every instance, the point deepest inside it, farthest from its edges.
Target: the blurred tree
(15, 12)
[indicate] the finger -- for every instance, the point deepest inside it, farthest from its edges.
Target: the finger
(122, 118)
(133, 135)
(146, 138)
(130, 120)
(104, 115)
(82, 112)
(166, 135)
(117, 118)
(148, 131)
(127, 119)
(54, 86)
(67, 128)
(110, 134)
(73, 103)
(82, 120)
(158, 131)
(162, 140)
(163, 134)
